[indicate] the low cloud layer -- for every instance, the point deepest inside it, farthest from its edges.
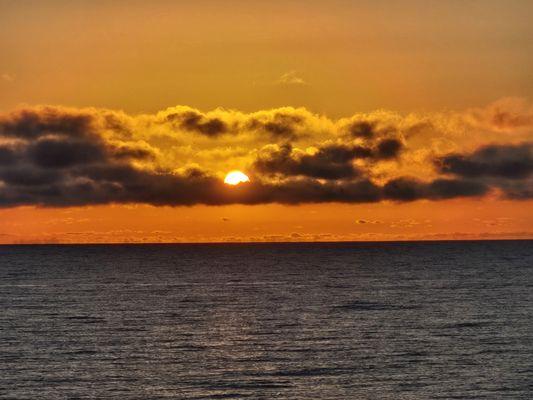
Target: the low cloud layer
(498, 161)
(56, 156)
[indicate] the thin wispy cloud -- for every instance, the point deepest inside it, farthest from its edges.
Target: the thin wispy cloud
(7, 77)
(291, 78)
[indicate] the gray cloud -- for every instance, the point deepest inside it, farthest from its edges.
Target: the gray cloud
(58, 157)
(332, 161)
(503, 161)
(388, 148)
(362, 129)
(7, 155)
(410, 189)
(196, 122)
(279, 125)
(35, 123)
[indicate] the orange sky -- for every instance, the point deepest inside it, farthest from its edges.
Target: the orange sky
(275, 89)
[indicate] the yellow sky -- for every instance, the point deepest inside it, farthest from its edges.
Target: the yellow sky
(355, 55)
(436, 77)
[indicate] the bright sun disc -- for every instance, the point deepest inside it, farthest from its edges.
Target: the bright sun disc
(235, 177)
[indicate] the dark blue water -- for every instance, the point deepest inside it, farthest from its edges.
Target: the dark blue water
(267, 321)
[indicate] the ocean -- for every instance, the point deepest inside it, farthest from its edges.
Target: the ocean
(412, 320)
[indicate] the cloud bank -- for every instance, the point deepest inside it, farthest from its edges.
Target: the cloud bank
(60, 157)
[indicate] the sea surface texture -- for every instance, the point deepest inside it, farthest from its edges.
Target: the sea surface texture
(441, 320)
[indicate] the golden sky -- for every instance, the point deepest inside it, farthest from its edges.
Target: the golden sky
(355, 120)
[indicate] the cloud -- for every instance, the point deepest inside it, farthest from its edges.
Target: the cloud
(410, 189)
(278, 124)
(507, 114)
(368, 221)
(7, 155)
(506, 167)
(331, 162)
(61, 153)
(388, 148)
(57, 156)
(197, 122)
(361, 129)
(7, 77)
(32, 123)
(379, 125)
(286, 123)
(505, 161)
(516, 189)
(291, 78)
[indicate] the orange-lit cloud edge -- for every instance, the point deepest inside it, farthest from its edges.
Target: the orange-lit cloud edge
(99, 163)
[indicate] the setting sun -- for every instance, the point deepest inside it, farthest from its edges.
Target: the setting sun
(235, 177)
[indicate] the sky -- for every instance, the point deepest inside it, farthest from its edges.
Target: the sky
(354, 120)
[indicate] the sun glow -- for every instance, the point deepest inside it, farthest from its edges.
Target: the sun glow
(235, 177)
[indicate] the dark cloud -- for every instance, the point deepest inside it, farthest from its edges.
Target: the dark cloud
(516, 189)
(362, 129)
(403, 189)
(194, 121)
(303, 190)
(410, 189)
(34, 123)
(25, 175)
(331, 162)
(49, 138)
(7, 155)
(388, 148)
(62, 153)
(116, 182)
(501, 161)
(440, 189)
(337, 153)
(506, 167)
(372, 131)
(334, 161)
(384, 141)
(279, 125)
(102, 184)
(307, 190)
(125, 152)
(57, 157)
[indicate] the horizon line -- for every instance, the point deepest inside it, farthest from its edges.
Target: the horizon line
(267, 242)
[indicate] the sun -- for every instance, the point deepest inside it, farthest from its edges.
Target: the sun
(235, 177)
